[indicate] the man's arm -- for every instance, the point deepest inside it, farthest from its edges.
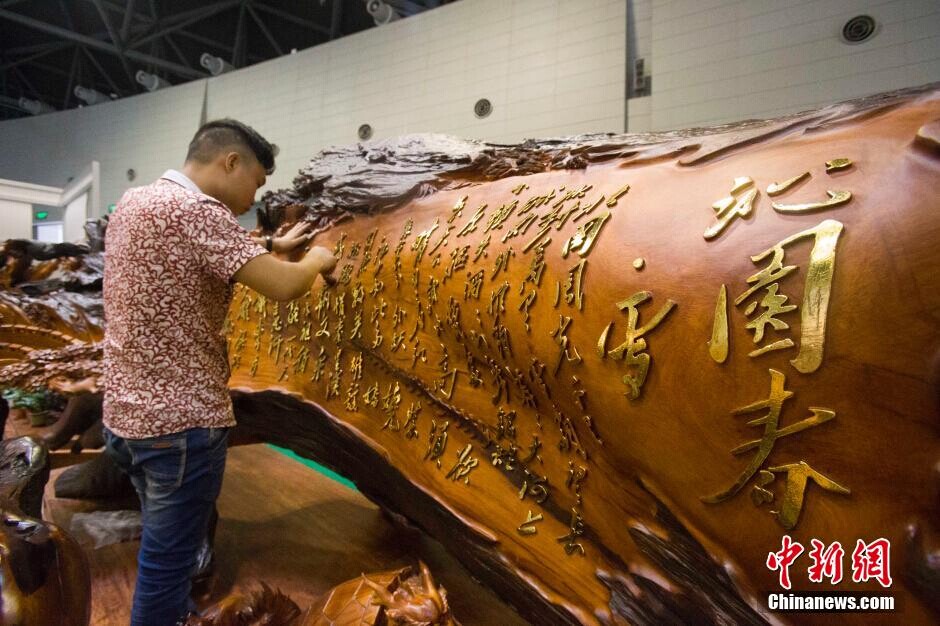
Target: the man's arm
(282, 280)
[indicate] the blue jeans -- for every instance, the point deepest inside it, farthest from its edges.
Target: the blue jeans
(178, 478)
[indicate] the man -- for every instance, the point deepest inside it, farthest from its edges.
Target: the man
(173, 249)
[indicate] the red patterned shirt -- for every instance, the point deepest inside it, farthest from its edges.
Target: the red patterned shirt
(171, 252)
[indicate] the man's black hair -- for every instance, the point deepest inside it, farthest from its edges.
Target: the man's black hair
(218, 135)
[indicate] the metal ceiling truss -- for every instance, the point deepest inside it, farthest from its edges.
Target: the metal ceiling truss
(139, 38)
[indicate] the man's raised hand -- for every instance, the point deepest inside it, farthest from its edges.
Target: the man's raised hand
(298, 234)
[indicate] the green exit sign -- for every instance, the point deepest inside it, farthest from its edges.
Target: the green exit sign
(41, 215)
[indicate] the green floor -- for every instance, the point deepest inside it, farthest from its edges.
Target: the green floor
(314, 465)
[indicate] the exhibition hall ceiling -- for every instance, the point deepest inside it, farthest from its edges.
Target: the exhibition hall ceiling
(60, 54)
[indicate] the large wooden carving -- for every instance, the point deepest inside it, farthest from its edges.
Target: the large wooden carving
(619, 375)
(613, 373)
(56, 286)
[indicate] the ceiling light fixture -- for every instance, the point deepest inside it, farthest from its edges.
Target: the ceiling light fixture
(214, 64)
(151, 82)
(90, 96)
(34, 107)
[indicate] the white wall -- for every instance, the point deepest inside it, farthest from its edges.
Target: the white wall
(725, 60)
(73, 222)
(17, 200)
(549, 67)
(640, 114)
(147, 133)
(16, 220)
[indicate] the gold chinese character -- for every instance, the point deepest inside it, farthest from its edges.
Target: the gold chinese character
(575, 530)
(473, 285)
(798, 474)
(816, 295)
(335, 378)
(526, 304)
(528, 526)
(458, 209)
(775, 189)
(437, 443)
(320, 365)
(718, 345)
(561, 338)
(764, 445)
(576, 475)
(498, 300)
(472, 224)
(421, 242)
(411, 421)
(836, 198)
(390, 402)
(574, 285)
(583, 239)
(371, 395)
(733, 206)
(352, 396)
(631, 350)
(616, 195)
(502, 214)
(464, 465)
(536, 487)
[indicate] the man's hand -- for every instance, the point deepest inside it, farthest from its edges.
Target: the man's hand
(326, 262)
(298, 234)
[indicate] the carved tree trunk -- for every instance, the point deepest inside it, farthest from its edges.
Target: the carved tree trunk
(612, 372)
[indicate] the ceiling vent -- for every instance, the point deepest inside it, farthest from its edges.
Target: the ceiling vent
(858, 29)
(482, 108)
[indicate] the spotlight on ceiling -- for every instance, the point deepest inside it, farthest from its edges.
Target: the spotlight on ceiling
(151, 82)
(382, 12)
(90, 96)
(34, 107)
(214, 64)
